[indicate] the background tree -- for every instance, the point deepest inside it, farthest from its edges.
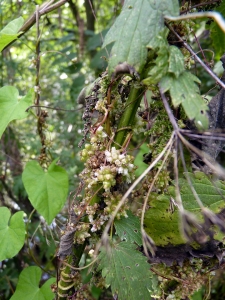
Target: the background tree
(147, 103)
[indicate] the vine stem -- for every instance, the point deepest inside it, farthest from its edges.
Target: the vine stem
(213, 165)
(209, 14)
(147, 197)
(38, 61)
(127, 118)
(129, 191)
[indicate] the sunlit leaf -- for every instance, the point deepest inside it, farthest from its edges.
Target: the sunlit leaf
(28, 286)
(135, 28)
(10, 32)
(127, 272)
(162, 222)
(12, 106)
(12, 233)
(47, 191)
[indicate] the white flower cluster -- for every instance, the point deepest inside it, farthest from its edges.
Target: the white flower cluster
(95, 144)
(101, 105)
(99, 136)
(123, 163)
(97, 224)
(106, 175)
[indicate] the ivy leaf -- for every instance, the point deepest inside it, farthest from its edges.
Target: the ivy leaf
(12, 106)
(28, 286)
(184, 90)
(12, 233)
(127, 272)
(47, 191)
(10, 32)
(136, 27)
(129, 229)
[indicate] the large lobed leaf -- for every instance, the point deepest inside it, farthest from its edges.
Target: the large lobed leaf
(163, 225)
(184, 90)
(10, 32)
(12, 233)
(12, 106)
(136, 27)
(47, 191)
(127, 272)
(28, 286)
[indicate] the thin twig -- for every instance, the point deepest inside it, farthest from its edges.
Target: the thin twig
(148, 194)
(168, 110)
(129, 191)
(44, 9)
(53, 108)
(201, 51)
(199, 5)
(176, 175)
(212, 164)
(188, 177)
(38, 61)
(208, 70)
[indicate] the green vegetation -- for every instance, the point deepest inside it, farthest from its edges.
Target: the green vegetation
(105, 110)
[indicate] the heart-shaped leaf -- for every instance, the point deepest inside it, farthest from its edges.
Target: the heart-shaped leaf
(10, 32)
(47, 191)
(12, 106)
(28, 286)
(12, 233)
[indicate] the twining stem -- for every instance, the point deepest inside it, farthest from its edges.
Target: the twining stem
(65, 285)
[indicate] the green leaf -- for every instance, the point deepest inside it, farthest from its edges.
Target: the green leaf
(169, 59)
(129, 229)
(47, 191)
(184, 90)
(12, 106)
(28, 286)
(160, 69)
(217, 35)
(163, 225)
(136, 27)
(210, 193)
(138, 161)
(127, 272)
(176, 61)
(12, 233)
(10, 32)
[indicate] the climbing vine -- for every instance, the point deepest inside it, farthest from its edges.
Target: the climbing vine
(146, 220)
